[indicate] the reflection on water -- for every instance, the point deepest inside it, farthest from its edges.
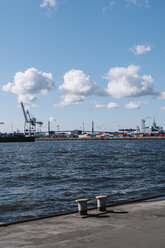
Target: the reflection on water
(46, 177)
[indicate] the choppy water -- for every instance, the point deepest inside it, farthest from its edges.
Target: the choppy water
(45, 177)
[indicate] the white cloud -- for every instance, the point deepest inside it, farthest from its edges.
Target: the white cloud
(29, 84)
(139, 3)
(70, 99)
(126, 3)
(134, 105)
(76, 86)
(162, 108)
(110, 105)
(48, 3)
(161, 96)
(140, 49)
(126, 82)
(100, 105)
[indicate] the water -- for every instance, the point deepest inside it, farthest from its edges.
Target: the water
(45, 177)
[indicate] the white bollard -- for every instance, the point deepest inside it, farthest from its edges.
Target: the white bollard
(82, 206)
(101, 202)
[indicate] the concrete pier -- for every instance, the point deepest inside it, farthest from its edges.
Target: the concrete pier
(131, 225)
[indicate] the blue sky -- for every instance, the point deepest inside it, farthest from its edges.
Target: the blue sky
(75, 61)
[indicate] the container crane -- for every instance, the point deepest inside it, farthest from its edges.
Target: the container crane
(30, 122)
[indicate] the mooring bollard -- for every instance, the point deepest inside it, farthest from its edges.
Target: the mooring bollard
(101, 202)
(82, 206)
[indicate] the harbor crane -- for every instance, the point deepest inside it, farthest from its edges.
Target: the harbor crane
(30, 123)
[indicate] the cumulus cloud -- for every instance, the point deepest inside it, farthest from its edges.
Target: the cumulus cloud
(134, 105)
(100, 105)
(126, 82)
(48, 3)
(110, 105)
(76, 86)
(140, 49)
(29, 84)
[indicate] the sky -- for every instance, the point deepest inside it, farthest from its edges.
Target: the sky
(72, 62)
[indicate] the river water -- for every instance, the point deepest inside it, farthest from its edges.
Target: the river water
(45, 177)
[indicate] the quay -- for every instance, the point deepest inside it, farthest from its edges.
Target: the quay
(103, 138)
(128, 225)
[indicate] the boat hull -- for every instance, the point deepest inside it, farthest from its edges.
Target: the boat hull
(17, 139)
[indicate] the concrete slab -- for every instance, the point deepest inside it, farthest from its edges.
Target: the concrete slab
(134, 225)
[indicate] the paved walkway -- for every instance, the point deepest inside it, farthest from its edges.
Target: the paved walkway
(135, 225)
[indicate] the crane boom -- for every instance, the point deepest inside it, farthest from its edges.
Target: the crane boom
(25, 115)
(39, 122)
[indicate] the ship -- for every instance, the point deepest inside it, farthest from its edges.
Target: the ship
(16, 138)
(152, 130)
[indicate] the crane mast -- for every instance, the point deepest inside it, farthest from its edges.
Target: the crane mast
(30, 123)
